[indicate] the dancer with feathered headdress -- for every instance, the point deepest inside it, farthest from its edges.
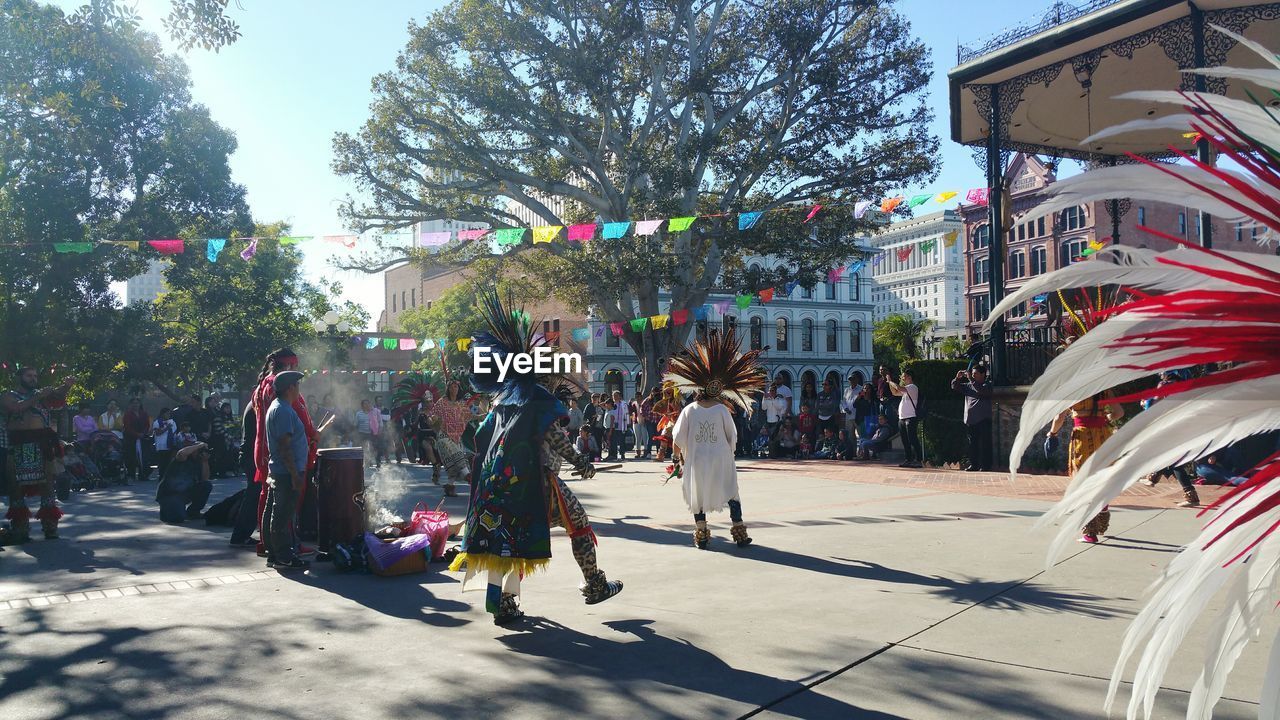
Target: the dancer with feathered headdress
(704, 435)
(516, 493)
(1191, 306)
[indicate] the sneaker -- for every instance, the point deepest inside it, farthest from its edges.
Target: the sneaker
(296, 563)
(904, 464)
(1188, 504)
(1087, 538)
(1149, 480)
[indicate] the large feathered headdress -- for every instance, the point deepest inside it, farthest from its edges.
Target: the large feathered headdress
(1191, 306)
(718, 369)
(510, 331)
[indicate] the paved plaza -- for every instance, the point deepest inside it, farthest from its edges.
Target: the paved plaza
(870, 592)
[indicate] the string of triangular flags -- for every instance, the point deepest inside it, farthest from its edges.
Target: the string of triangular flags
(504, 238)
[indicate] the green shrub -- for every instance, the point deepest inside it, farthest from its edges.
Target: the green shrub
(942, 431)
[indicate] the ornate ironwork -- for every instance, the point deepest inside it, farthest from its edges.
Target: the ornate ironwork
(1173, 38)
(1058, 13)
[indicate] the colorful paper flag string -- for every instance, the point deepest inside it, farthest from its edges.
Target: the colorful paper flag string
(582, 233)
(166, 247)
(434, 239)
(463, 344)
(250, 250)
(580, 334)
(473, 234)
(213, 248)
(509, 236)
(293, 239)
(904, 253)
(978, 196)
(408, 344)
(637, 324)
(617, 328)
(812, 213)
(648, 227)
(545, 233)
(700, 312)
(949, 238)
(945, 196)
(679, 317)
(615, 230)
(861, 207)
(657, 322)
(748, 220)
(766, 295)
(918, 200)
(680, 224)
(77, 248)
(890, 203)
(371, 343)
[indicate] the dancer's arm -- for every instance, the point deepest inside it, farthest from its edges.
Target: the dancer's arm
(560, 443)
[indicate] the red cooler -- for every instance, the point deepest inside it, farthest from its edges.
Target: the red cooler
(340, 485)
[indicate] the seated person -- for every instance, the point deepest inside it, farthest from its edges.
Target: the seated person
(586, 444)
(879, 440)
(827, 447)
(762, 442)
(844, 449)
(786, 442)
(184, 489)
(1214, 470)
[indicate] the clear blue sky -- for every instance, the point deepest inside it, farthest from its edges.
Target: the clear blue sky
(302, 69)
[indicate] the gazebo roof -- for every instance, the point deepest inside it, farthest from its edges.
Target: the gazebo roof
(1113, 46)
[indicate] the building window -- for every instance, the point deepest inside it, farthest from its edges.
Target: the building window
(413, 297)
(981, 270)
(1182, 224)
(833, 343)
(981, 308)
(757, 333)
(806, 292)
(612, 339)
(806, 335)
(1071, 252)
(855, 336)
(1022, 232)
(1039, 260)
(393, 302)
(1017, 265)
(1239, 233)
(1040, 227)
(729, 322)
(831, 290)
(1073, 218)
(404, 304)
(379, 381)
(781, 339)
(1142, 215)
(981, 237)
(855, 292)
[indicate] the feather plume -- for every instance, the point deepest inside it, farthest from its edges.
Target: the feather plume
(719, 369)
(1196, 307)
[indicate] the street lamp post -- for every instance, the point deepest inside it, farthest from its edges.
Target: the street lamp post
(334, 329)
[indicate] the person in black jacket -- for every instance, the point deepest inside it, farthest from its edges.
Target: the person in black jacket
(246, 519)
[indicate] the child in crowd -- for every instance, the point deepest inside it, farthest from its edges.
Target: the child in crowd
(610, 422)
(762, 442)
(806, 447)
(186, 438)
(826, 446)
(807, 424)
(586, 444)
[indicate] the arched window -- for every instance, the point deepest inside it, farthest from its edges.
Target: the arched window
(833, 343)
(702, 329)
(757, 333)
(855, 336)
(806, 335)
(981, 237)
(781, 340)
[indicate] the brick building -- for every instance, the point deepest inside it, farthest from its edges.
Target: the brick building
(1036, 245)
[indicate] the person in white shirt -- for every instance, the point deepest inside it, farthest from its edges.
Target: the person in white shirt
(787, 396)
(622, 422)
(165, 433)
(774, 409)
(848, 399)
(908, 419)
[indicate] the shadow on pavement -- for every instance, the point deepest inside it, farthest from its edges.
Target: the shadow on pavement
(405, 596)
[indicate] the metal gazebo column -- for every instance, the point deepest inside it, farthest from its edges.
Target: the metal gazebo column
(1202, 145)
(995, 219)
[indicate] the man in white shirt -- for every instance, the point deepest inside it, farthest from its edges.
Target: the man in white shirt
(774, 409)
(785, 393)
(908, 419)
(847, 406)
(621, 423)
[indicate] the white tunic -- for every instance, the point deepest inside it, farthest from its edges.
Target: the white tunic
(707, 436)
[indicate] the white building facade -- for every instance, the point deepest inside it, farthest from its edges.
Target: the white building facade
(147, 286)
(814, 334)
(924, 285)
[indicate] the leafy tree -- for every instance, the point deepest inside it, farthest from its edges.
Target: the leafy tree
(901, 334)
(453, 315)
(216, 321)
(99, 140)
(953, 347)
(600, 112)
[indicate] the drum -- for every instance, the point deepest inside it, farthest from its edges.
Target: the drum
(340, 495)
